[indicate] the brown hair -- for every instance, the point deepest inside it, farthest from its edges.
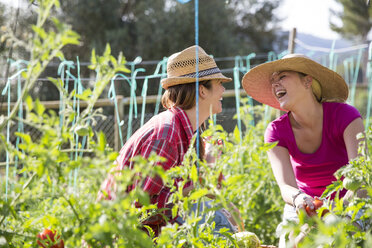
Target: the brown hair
(183, 96)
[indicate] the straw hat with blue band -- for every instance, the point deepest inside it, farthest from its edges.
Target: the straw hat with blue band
(181, 68)
(257, 82)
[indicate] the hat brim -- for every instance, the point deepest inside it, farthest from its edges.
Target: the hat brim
(168, 82)
(256, 82)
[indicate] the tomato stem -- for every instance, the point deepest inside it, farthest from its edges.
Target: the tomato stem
(73, 209)
(19, 195)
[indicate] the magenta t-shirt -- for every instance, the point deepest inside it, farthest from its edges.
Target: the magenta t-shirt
(314, 172)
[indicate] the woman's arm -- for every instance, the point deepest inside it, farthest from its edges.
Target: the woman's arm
(350, 137)
(283, 172)
(352, 145)
(284, 175)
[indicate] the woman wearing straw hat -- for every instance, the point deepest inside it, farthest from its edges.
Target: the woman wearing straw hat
(169, 133)
(316, 136)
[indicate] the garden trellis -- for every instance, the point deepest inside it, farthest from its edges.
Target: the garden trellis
(351, 71)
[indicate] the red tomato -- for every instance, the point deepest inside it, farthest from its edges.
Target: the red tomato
(310, 212)
(48, 239)
(317, 204)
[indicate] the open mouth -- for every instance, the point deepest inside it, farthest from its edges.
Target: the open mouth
(280, 93)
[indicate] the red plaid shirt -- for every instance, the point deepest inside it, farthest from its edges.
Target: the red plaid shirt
(168, 134)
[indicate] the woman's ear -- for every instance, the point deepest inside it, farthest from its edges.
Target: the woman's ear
(308, 81)
(202, 91)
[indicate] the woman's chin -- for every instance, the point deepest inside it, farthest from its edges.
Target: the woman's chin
(217, 111)
(284, 106)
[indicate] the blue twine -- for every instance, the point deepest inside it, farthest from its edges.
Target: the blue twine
(355, 76)
(20, 128)
(331, 56)
(197, 75)
(80, 90)
(112, 96)
(197, 70)
(160, 89)
(237, 99)
(133, 101)
(369, 76)
(6, 90)
(75, 108)
(351, 75)
(61, 73)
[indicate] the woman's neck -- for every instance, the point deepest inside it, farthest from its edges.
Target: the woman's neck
(191, 113)
(307, 116)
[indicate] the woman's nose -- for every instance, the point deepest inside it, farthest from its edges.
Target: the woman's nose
(275, 83)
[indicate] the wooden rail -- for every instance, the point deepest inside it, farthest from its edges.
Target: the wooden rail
(107, 102)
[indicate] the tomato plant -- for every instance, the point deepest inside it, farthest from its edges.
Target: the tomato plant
(351, 183)
(55, 186)
(50, 239)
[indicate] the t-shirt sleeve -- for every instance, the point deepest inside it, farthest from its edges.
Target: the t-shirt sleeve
(345, 114)
(273, 135)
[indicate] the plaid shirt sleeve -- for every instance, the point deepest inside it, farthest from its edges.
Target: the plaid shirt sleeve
(155, 186)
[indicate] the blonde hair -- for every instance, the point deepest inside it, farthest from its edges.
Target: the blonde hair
(315, 86)
(317, 90)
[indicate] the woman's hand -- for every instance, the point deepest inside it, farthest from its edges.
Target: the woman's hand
(209, 150)
(304, 201)
(311, 205)
(209, 153)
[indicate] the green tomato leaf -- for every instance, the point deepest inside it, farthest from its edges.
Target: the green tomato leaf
(198, 194)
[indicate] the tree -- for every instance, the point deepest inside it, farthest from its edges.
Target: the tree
(356, 20)
(153, 29)
(257, 25)
(98, 22)
(2, 22)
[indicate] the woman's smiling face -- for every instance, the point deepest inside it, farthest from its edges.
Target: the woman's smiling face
(215, 93)
(287, 88)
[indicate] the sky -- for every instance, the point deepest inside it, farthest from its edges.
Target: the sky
(308, 16)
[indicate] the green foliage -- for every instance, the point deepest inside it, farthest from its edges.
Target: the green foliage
(43, 47)
(339, 227)
(56, 189)
(59, 176)
(356, 19)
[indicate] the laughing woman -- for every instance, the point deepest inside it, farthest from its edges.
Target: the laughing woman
(318, 133)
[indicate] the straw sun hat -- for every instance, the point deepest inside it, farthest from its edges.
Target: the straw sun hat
(257, 83)
(181, 68)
